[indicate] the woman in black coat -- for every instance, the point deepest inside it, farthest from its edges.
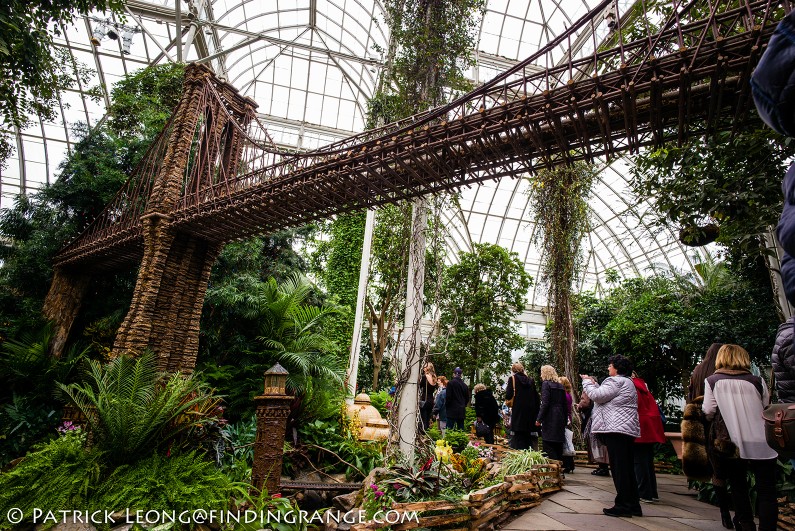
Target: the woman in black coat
(552, 415)
(524, 410)
(487, 410)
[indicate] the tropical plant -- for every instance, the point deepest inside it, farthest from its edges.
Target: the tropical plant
(520, 461)
(480, 296)
(130, 408)
(733, 179)
(269, 322)
(28, 409)
(415, 484)
(559, 198)
(323, 444)
(457, 439)
(179, 482)
(59, 474)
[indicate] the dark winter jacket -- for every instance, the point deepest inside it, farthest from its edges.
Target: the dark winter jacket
(486, 407)
(552, 414)
(773, 87)
(440, 406)
(525, 405)
(457, 398)
(783, 360)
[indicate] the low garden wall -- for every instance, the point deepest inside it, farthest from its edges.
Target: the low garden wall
(481, 508)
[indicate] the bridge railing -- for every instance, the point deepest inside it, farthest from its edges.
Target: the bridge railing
(678, 28)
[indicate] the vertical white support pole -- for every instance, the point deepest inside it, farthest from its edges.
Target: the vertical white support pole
(774, 255)
(178, 9)
(364, 271)
(410, 354)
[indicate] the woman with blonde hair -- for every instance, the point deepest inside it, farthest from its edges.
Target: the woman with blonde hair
(735, 398)
(552, 413)
(487, 410)
(521, 389)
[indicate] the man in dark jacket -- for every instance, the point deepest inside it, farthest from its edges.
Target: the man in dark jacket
(773, 87)
(525, 408)
(783, 360)
(457, 400)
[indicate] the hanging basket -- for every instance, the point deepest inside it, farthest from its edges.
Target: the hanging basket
(696, 236)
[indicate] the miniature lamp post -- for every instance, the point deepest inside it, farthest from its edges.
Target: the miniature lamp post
(273, 408)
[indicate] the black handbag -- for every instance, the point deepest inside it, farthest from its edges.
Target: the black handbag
(482, 429)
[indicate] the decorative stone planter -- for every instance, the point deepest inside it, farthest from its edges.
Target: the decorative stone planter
(677, 442)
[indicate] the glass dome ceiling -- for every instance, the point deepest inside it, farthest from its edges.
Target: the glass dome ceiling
(311, 65)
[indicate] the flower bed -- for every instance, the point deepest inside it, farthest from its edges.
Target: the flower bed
(481, 507)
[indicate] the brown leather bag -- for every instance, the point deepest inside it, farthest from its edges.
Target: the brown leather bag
(780, 428)
(509, 402)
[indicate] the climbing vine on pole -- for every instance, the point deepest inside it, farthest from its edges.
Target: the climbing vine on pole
(559, 198)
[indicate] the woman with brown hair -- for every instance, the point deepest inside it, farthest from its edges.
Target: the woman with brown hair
(427, 387)
(521, 388)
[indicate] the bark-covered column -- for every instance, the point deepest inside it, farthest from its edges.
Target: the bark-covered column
(273, 408)
(169, 293)
(62, 305)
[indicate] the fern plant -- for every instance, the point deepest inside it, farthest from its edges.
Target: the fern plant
(58, 475)
(131, 408)
(180, 482)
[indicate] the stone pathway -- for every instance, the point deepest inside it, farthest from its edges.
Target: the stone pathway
(579, 506)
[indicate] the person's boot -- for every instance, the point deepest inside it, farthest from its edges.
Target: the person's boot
(723, 503)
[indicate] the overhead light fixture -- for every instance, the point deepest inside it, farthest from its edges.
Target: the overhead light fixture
(99, 33)
(611, 21)
(114, 31)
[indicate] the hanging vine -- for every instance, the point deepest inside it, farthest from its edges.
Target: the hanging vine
(559, 198)
(431, 46)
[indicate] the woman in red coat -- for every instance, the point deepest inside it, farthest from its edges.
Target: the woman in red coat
(651, 432)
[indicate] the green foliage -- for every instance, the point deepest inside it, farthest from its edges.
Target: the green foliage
(732, 179)
(520, 462)
(57, 475)
(251, 324)
(63, 475)
(666, 323)
(559, 198)
(337, 262)
(329, 448)
(480, 296)
(98, 165)
(180, 482)
(415, 484)
(238, 458)
(379, 400)
(431, 50)
(32, 74)
(28, 409)
(434, 433)
(457, 439)
(132, 409)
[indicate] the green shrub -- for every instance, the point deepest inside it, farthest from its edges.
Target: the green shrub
(434, 433)
(327, 446)
(132, 409)
(457, 439)
(379, 401)
(520, 461)
(58, 475)
(180, 482)
(469, 417)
